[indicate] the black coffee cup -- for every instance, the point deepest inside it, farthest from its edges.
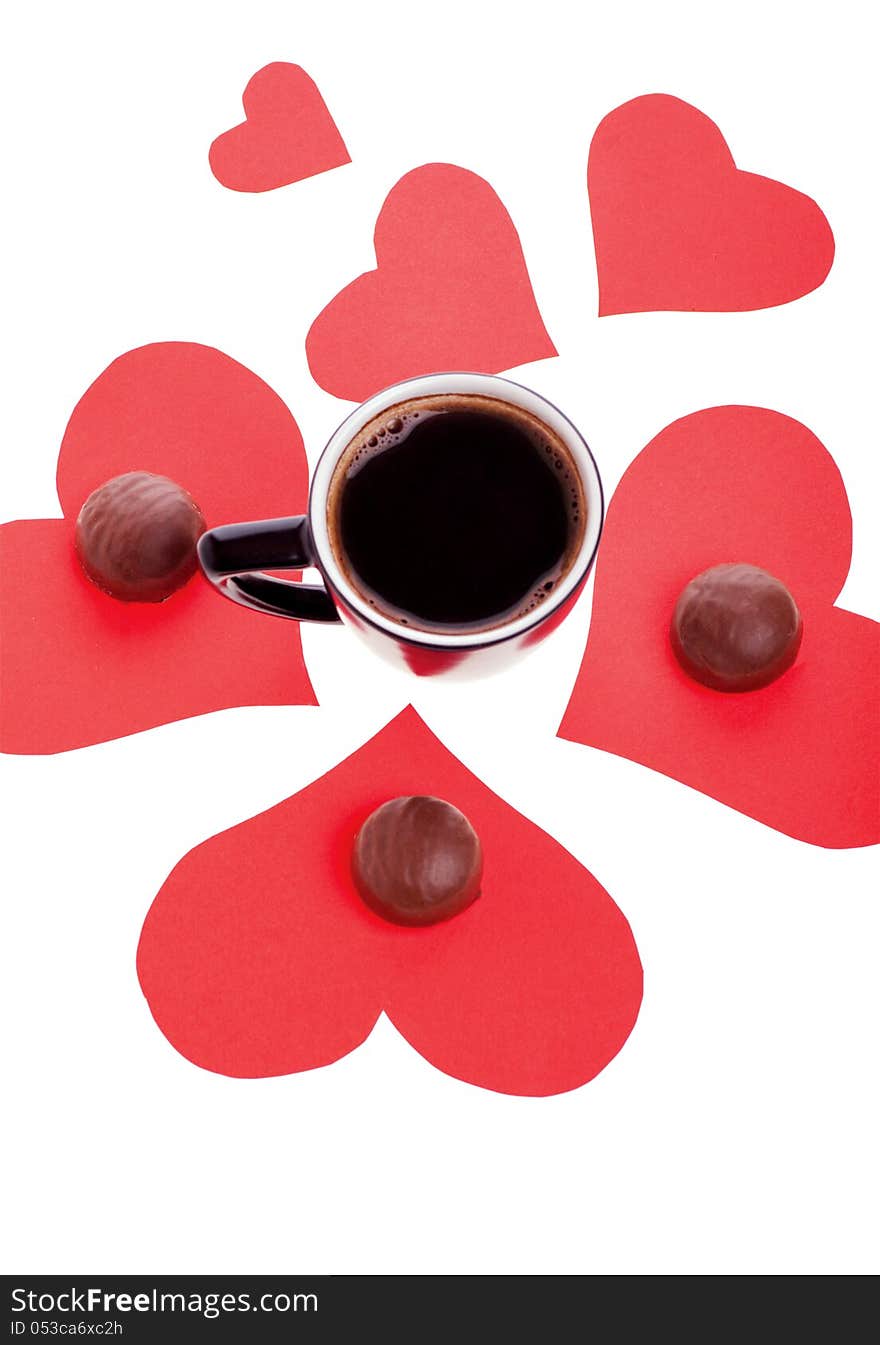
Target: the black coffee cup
(453, 518)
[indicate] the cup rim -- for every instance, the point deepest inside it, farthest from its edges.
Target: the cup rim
(456, 382)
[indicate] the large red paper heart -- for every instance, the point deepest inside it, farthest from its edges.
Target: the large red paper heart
(678, 226)
(737, 483)
(288, 134)
(451, 291)
(80, 667)
(259, 958)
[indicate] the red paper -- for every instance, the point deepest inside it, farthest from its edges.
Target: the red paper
(677, 226)
(287, 134)
(259, 958)
(79, 667)
(737, 483)
(450, 292)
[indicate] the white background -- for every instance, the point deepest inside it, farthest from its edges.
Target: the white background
(736, 1131)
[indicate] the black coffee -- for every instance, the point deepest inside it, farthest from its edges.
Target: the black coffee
(453, 512)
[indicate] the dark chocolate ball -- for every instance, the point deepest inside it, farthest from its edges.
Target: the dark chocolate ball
(736, 628)
(417, 860)
(136, 537)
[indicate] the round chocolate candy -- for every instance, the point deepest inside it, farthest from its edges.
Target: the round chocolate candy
(136, 537)
(417, 860)
(736, 628)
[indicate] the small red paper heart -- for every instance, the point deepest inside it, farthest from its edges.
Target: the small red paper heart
(451, 291)
(258, 957)
(677, 225)
(288, 134)
(736, 483)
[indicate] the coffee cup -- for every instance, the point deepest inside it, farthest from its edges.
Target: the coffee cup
(453, 519)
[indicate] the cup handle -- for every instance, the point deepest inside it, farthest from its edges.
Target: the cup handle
(232, 558)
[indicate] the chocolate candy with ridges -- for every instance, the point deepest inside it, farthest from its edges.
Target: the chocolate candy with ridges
(136, 537)
(736, 628)
(417, 860)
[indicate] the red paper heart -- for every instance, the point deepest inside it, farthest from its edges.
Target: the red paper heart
(79, 667)
(451, 291)
(259, 958)
(288, 134)
(678, 226)
(736, 483)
